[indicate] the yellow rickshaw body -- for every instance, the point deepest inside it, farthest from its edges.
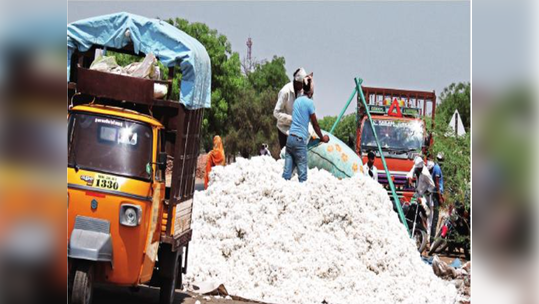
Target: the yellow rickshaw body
(90, 195)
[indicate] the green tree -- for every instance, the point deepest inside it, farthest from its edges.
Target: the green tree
(253, 123)
(269, 75)
(456, 166)
(345, 130)
(252, 120)
(226, 77)
(455, 97)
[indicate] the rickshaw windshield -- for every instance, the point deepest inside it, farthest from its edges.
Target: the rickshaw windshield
(110, 145)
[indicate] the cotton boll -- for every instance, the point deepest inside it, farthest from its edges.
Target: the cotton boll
(280, 241)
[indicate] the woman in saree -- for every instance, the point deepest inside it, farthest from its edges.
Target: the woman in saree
(216, 157)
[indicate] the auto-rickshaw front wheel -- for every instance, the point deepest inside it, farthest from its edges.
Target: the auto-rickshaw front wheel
(83, 281)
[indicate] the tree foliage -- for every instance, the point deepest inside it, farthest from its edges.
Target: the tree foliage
(269, 75)
(252, 122)
(345, 130)
(455, 97)
(226, 78)
(457, 150)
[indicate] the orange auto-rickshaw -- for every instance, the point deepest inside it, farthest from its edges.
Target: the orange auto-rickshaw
(131, 156)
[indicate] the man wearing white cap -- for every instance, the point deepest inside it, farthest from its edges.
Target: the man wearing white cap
(285, 104)
(424, 185)
(424, 182)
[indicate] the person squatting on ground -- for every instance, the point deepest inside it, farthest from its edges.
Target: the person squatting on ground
(216, 157)
(285, 103)
(369, 169)
(437, 194)
(296, 144)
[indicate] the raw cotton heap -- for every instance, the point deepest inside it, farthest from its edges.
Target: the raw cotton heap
(280, 241)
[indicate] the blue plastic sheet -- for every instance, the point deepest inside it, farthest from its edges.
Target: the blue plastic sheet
(456, 263)
(170, 45)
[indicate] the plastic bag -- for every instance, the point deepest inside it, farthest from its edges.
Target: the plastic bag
(159, 90)
(144, 68)
(104, 64)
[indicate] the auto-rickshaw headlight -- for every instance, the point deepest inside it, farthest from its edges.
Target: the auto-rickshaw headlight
(130, 215)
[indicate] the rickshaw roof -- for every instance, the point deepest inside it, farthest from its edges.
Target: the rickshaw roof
(170, 45)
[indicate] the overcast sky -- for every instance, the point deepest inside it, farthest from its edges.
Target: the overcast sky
(410, 45)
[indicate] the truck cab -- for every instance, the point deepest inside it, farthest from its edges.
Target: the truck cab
(399, 121)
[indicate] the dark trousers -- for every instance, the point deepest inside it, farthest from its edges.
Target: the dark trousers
(282, 139)
(435, 212)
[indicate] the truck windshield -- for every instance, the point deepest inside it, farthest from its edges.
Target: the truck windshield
(109, 144)
(394, 135)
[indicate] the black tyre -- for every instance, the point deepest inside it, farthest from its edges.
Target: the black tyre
(168, 273)
(83, 281)
(437, 246)
(167, 290)
(420, 238)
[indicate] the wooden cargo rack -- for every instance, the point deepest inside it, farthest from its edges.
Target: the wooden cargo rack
(183, 126)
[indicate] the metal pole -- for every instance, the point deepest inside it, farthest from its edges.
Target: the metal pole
(342, 112)
(391, 185)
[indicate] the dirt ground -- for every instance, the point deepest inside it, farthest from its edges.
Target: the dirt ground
(449, 258)
(150, 295)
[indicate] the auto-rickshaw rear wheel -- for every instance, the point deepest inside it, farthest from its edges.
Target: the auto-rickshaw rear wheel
(169, 267)
(83, 281)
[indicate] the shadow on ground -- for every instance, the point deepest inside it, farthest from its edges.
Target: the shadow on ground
(145, 295)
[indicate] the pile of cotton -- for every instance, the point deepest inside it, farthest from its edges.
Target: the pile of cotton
(327, 239)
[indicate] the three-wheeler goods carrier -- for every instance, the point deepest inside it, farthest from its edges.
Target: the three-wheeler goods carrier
(129, 214)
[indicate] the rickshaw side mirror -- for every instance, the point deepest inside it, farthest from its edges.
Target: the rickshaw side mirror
(162, 160)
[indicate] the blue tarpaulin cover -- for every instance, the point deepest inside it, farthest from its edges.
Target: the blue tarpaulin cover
(169, 44)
